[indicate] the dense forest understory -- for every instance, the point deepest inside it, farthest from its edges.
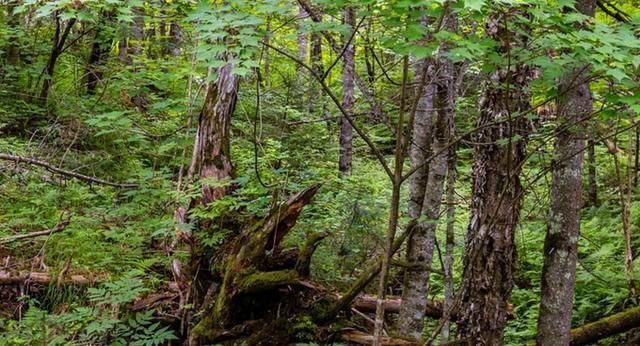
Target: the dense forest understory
(311, 172)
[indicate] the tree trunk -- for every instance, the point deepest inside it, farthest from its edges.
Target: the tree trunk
(563, 231)
(593, 183)
(59, 39)
(12, 56)
(136, 35)
(490, 256)
(175, 39)
(212, 151)
(302, 37)
(422, 242)
(98, 55)
(348, 98)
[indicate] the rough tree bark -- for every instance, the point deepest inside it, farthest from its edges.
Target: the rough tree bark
(489, 258)
(348, 98)
(561, 240)
(212, 149)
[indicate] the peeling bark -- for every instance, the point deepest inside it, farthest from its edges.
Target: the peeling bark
(212, 151)
(490, 256)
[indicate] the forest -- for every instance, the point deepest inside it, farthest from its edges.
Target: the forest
(319, 172)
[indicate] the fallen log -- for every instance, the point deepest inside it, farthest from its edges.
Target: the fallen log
(361, 338)
(7, 278)
(367, 303)
(606, 327)
(58, 228)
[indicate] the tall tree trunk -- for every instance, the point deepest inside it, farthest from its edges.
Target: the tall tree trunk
(422, 241)
(414, 287)
(592, 181)
(98, 55)
(563, 231)
(302, 37)
(447, 303)
(348, 98)
(59, 38)
(490, 256)
(394, 210)
(136, 34)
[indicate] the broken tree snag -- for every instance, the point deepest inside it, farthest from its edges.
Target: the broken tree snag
(244, 282)
(304, 258)
(7, 278)
(212, 149)
(53, 169)
(606, 327)
(58, 228)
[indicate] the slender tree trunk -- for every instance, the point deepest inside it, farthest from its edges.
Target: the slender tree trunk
(490, 256)
(563, 231)
(450, 242)
(593, 183)
(422, 241)
(12, 56)
(348, 98)
(175, 39)
(98, 55)
(136, 35)
(393, 212)
(302, 37)
(59, 38)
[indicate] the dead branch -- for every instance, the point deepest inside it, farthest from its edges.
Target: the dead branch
(53, 169)
(58, 228)
(7, 278)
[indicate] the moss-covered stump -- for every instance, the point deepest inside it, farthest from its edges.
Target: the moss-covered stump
(249, 289)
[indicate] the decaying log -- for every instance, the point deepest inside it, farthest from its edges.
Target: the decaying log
(7, 278)
(367, 303)
(59, 227)
(361, 338)
(606, 327)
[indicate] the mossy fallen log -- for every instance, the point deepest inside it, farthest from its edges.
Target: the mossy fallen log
(606, 327)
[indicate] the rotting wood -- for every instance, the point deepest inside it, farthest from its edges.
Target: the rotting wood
(8, 278)
(362, 338)
(606, 327)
